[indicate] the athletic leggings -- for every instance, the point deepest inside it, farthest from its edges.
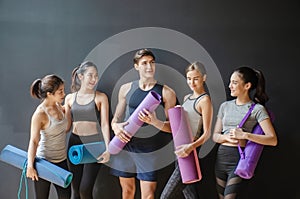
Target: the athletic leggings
(175, 188)
(42, 187)
(84, 175)
(228, 184)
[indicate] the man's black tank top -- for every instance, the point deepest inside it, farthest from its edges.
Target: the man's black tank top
(147, 138)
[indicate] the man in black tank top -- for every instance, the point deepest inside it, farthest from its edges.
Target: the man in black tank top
(142, 155)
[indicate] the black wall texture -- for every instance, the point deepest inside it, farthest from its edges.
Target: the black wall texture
(41, 37)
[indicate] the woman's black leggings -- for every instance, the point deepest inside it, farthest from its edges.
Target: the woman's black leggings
(84, 175)
(42, 187)
(229, 185)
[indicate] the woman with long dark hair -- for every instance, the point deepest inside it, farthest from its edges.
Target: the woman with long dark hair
(247, 86)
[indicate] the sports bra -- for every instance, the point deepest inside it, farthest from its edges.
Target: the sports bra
(87, 112)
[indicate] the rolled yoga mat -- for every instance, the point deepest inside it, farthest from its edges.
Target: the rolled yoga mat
(182, 134)
(150, 102)
(45, 169)
(250, 155)
(86, 153)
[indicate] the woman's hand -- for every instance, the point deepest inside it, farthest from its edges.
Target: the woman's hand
(237, 133)
(184, 150)
(31, 173)
(104, 157)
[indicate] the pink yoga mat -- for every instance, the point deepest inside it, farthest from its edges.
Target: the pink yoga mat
(150, 102)
(182, 134)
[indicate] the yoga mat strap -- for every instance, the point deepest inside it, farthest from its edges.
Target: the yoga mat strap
(23, 176)
(247, 115)
(242, 153)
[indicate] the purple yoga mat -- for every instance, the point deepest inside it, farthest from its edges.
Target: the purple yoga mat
(150, 102)
(182, 134)
(250, 156)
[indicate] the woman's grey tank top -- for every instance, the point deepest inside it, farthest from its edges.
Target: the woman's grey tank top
(195, 118)
(52, 144)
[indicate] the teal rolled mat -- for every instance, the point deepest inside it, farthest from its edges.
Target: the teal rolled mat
(45, 169)
(86, 153)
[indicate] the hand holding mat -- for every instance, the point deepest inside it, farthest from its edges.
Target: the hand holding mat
(150, 102)
(181, 131)
(45, 169)
(86, 153)
(250, 156)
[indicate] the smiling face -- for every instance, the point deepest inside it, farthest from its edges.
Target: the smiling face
(237, 86)
(59, 95)
(195, 80)
(146, 67)
(89, 78)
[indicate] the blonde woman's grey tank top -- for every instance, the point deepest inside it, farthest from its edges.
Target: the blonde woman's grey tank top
(195, 118)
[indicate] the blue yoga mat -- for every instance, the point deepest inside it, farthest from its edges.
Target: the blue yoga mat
(86, 153)
(45, 169)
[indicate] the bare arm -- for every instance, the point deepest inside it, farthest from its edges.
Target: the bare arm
(169, 98)
(150, 118)
(36, 126)
(268, 138)
(67, 106)
(220, 138)
(116, 125)
(204, 107)
(103, 106)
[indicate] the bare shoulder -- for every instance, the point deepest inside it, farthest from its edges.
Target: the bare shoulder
(101, 96)
(168, 90)
(125, 87)
(68, 98)
(204, 103)
(205, 100)
(39, 114)
(169, 96)
(186, 96)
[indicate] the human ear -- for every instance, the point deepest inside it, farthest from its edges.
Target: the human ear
(248, 85)
(204, 77)
(136, 67)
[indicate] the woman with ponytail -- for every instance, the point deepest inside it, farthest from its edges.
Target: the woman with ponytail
(48, 133)
(247, 86)
(87, 110)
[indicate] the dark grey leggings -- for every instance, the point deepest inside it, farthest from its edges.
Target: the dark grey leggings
(228, 185)
(42, 187)
(175, 188)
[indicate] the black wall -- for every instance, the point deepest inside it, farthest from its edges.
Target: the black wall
(41, 37)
